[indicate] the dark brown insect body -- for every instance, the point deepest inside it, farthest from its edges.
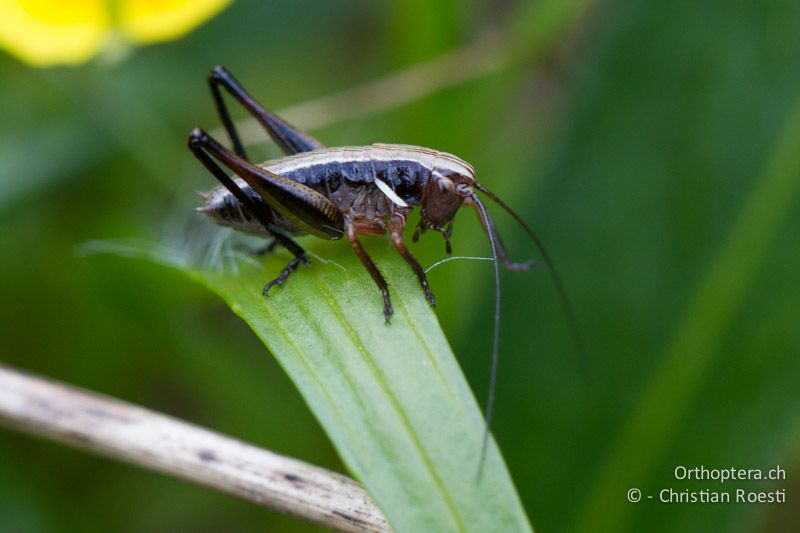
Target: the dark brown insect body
(344, 192)
(335, 192)
(372, 186)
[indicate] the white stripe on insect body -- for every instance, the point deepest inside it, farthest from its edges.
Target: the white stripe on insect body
(385, 189)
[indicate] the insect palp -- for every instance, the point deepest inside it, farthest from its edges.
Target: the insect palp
(419, 230)
(447, 233)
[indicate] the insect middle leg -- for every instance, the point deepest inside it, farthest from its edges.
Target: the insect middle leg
(264, 250)
(396, 236)
(201, 144)
(366, 260)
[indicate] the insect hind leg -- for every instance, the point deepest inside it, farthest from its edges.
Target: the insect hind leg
(290, 139)
(285, 273)
(206, 149)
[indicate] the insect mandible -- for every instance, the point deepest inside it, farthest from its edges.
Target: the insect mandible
(346, 192)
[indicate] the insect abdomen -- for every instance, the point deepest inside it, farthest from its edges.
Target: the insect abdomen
(224, 209)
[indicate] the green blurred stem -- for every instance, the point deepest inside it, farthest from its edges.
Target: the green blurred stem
(534, 29)
(676, 380)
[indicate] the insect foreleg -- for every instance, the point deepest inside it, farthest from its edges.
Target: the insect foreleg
(366, 260)
(396, 236)
(290, 139)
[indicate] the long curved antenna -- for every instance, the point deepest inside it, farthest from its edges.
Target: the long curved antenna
(562, 293)
(488, 225)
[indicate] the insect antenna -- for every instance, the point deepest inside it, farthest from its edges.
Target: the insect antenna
(572, 320)
(488, 225)
(499, 250)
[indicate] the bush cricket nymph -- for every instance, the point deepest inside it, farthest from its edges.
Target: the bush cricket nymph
(346, 192)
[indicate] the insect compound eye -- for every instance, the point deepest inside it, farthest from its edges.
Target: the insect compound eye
(446, 184)
(463, 189)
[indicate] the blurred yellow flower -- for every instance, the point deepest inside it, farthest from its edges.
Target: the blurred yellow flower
(47, 32)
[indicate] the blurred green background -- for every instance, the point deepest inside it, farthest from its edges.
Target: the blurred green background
(652, 146)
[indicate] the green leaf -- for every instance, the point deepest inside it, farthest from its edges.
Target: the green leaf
(392, 397)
